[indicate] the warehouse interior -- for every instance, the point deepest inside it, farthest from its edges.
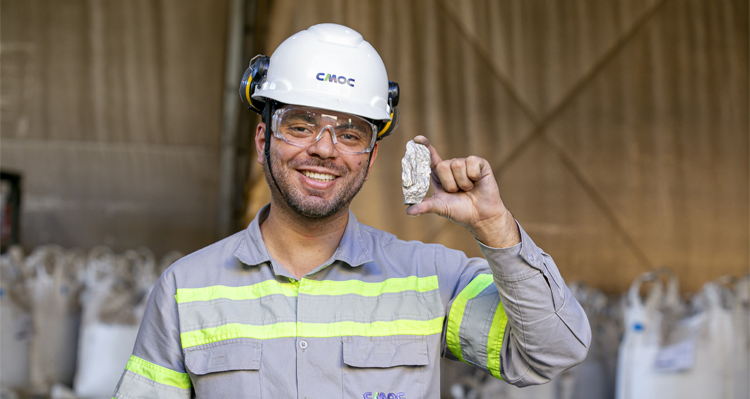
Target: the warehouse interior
(618, 132)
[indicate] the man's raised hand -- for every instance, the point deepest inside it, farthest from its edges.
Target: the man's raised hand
(466, 192)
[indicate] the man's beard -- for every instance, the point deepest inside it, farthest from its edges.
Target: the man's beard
(310, 206)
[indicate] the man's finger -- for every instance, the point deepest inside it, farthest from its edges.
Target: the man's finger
(429, 205)
(458, 166)
(444, 175)
(474, 166)
(434, 156)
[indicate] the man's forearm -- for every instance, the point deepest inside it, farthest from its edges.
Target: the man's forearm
(548, 330)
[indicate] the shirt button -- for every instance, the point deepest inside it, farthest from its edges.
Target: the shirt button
(303, 344)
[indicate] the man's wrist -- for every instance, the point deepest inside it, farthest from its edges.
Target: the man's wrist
(499, 232)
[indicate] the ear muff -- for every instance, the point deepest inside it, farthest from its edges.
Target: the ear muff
(393, 97)
(254, 75)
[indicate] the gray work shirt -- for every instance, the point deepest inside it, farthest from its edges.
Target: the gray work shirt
(229, 322)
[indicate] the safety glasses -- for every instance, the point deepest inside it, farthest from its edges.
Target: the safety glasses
(303, 126)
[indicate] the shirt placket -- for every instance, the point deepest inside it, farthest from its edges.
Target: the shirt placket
(301, 343)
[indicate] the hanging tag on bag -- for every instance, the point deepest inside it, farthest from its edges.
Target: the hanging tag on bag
(676, 357)
(679, 342)
(23, 328)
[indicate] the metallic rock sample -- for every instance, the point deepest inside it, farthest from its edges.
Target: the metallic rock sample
(415, 173)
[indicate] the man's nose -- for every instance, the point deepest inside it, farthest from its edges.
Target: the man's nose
(324, 146)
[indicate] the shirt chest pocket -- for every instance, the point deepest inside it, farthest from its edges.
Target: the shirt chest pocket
(385, 367)
(225, 370)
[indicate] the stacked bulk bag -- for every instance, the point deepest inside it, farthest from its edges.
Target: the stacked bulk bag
(118, 287)
(69, 319)
(53, 286)
(472, 383)
(16, 326)
(676, 350)
(595, 377)
(741, 354)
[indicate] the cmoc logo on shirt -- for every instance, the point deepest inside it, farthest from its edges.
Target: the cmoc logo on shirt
(383, 395)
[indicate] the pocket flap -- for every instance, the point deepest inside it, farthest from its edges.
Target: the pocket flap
(382, 353)
(224, 357)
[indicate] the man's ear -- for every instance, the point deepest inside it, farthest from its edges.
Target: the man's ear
(372, 160)
(260, 142)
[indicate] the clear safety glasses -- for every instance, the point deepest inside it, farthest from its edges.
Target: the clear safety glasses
(304, 126)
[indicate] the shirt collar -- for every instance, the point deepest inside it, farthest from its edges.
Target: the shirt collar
(252, 250)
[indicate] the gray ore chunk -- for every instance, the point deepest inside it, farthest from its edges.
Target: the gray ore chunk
(415, 173)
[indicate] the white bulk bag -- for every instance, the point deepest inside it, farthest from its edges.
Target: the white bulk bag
(115, 298)
(741, 353)
(53, 290)
(16, 327)
(595, 377)
(668, 352)
(640, 343)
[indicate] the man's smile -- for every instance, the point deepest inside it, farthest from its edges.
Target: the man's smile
(322, 177)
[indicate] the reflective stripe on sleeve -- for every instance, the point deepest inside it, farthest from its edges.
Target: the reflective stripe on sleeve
(495, 340)
(468, 333)
(158, 373)
(134, 385)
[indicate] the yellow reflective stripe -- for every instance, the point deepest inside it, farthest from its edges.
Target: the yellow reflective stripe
(265, 288)
(456, 315)
(495, 340)
(374, 329)
(235, 330)
(391, 285)
(158, 373)
(310, 287)
(312, 330)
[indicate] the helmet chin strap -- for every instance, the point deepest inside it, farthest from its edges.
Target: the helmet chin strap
(267, 147)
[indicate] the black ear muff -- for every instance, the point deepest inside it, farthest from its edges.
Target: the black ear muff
(254, 75)
(393, 97)
(393, 93)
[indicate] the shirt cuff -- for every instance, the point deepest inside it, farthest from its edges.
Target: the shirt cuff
(514, 263)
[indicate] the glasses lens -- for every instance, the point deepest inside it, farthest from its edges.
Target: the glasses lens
(303, 127)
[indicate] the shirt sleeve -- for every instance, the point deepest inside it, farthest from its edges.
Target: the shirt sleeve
(156, 369)
(515, 318)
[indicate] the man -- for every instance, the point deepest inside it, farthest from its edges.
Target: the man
(308, 303)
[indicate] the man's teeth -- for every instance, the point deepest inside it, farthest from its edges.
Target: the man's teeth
(318, 176)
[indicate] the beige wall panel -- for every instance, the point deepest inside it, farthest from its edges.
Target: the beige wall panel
(47, 42)
(544, 48)
(111, 110)
(194, 34)
(662, 136)
(125, 71)
(132, 194)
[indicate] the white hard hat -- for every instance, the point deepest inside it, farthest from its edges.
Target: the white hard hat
(328, 66)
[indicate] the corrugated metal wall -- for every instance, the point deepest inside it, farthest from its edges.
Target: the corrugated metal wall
(112, 112)
(618, 130)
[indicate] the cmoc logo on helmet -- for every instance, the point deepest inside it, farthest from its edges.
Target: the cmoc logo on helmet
(324, 77)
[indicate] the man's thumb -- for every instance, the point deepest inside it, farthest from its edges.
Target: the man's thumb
(426, 206)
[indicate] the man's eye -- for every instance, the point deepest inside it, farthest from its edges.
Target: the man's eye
(350, 138)
(299, 130)
(350, 133)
